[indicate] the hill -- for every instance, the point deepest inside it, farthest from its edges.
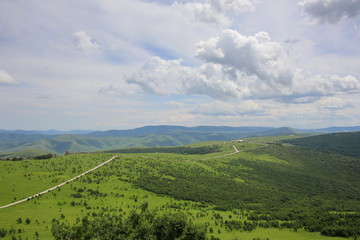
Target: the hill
(177, 131)
(149, 136)
(152, 136)
(275, 191)
(341, 143)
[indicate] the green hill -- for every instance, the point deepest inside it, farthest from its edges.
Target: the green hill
(27, 153)
(275, 191)
(81, 143)
(342, 143)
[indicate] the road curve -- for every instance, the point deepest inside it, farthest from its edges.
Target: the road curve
(59, 185)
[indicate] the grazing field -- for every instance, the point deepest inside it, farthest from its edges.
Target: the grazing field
(233, 190)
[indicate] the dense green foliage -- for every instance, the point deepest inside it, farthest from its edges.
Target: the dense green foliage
(341, 143)
(45, 156)
(287, 183)
(143, 225)
(177, 150)
(299, 175)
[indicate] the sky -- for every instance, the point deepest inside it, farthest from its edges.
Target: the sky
(121, 64)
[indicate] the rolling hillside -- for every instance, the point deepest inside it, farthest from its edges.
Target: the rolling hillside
(341, 143)
(275, 191)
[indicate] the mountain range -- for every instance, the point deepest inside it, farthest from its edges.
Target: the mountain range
(54, 141)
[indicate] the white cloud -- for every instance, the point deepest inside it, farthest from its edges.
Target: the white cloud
(164, 77)
(237, 6)
(255, 56)
(202, 12)
(331, 11)
(214, 11)
(308, 84)
(6, 78)
(83, 42)
(236, 66)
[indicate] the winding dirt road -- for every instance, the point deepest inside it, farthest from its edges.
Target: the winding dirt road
(59, 185)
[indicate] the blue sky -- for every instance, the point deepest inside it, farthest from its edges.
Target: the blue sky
(111, 64)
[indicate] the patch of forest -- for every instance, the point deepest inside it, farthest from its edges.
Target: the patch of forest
(184, 150)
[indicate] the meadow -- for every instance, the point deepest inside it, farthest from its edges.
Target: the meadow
(262, 192)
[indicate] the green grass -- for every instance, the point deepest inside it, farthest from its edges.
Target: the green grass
(275, 234)
(256, 180)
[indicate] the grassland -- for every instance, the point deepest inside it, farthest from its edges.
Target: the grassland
(285, 183)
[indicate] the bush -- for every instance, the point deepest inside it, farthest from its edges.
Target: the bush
(45, 156)
(3, 232)
(144, 225)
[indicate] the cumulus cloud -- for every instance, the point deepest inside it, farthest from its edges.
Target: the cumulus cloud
(255, 56)
(214, 11)
(164, 77)
(236, 66)
(331, 11)
(6, 78)
(83, 42)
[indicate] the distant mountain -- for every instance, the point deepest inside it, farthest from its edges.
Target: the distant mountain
(11, 137)
(45, 132)
(150, 136)
(81, 143)
(175, 131)
(333, 129)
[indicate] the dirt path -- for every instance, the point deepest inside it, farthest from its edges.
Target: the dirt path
(59, 185)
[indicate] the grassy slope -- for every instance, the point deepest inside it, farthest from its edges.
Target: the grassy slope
(341, 143)
(259, 173)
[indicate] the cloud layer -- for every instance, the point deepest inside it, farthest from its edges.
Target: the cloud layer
(331, 11)
(236, 66)
(97, 64)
